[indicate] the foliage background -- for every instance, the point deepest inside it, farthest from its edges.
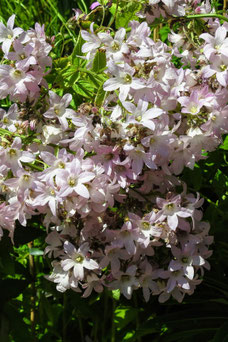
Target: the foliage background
(30, 307)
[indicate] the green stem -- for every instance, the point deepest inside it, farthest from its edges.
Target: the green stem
(209, 15)
(84, 5)
(64, 317)
(6, 132)
(114, 16)
(113, 321)
(33, 295)
(137, 315)
(103, 16)
(105, 314)
(33, 166)
(81, 329)
(61, 19)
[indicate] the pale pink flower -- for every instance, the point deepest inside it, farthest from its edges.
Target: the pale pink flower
(93, 41)
(122, 79)
(17, 82)
(78, 260)
(13, 156)
(8, 34)
(62, 278)
(47, 194)
(218, 67)
(22, 55)
(115, 47)
(147, 283)
(192, 104)
(54, 247)
(217, 44)
(185, 259)
(73, 179)
(171, 209)
(126, 282)
(93, 283)
(113, 254)
(138, 156)
(21, 183)
(142, 115)
(94, 5)
(58, 109)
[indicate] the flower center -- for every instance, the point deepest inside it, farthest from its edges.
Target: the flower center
(79, 259)
(61, 165)
(127, 78)
(138, 118)
(170, 206)
(57, 110)
(26, 178)
(115, 46)
(71, 181)
(12, 152)
(125, 278)
(17, 73)
(156, 75)
(223, 67)
(125, 233)
(184, 260)
(194, 110)
(108, 156)
(52, 192)
(119, 168)
(9, 36)
(5, 120)
(160, 225)
(145, 225)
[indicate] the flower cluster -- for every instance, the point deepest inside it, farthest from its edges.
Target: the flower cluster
(154, 9)
(104, 180)
(29, 60)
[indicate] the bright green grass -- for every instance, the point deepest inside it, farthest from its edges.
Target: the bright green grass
(53, 13)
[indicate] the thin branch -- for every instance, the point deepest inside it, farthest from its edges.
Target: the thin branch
(33, 296)
(209, 15)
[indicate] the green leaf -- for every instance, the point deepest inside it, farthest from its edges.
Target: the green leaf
(224, 146)
(10, 288)
(124, 315)
(77, 51)
(99, 99)
(191, 334)
(99, 62)
(127, 13)
(17, 326)
(222, 334)
(94, 78)
(219, 182)
(163, 32)
(81, 89)
(116, 294)
(193, 178)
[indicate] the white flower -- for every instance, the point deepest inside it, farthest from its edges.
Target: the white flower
(51, 134)
(78, 260)
(122, 80)
(8, 34)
